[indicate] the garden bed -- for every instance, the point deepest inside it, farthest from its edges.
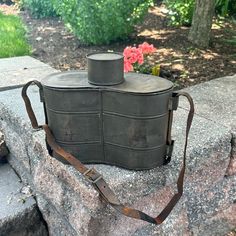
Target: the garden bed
(184, 64)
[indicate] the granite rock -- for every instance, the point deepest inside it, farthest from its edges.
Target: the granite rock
(206, 204)
(19, 214)
(215, 100)
(220, 223)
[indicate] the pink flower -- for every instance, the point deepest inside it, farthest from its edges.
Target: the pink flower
(131, 56)
(147, 48)
(127, 66)
(135, 55)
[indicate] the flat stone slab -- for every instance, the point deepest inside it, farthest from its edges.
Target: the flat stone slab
(15, 72)
(20, 63)
(215, 100)
(19, 213)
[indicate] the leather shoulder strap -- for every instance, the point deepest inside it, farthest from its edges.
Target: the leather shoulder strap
(96, 178)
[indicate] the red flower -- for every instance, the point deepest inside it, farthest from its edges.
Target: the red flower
(147, 48)
(134, 55)
(127, 66)
(131, 56)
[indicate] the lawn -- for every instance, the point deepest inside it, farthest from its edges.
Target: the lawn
(12, 37)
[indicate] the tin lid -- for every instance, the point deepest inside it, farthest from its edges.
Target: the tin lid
(105, 56)
(134, 82)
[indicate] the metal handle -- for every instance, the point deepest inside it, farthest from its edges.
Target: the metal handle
(28, 105)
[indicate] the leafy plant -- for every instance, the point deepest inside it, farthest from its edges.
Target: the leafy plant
(225, 7)
(180, 11)
(136, 59)
(232, 32)
(101, 21)
(222, 7)
(12, 37)
(39, 8)
(231, 41)
(6, 1)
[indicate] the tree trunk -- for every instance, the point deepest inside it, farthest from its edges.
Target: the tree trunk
(200, 30)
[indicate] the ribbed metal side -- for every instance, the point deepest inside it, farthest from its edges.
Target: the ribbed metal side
(112, 127)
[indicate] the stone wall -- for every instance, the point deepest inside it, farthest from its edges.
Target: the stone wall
(71, 206)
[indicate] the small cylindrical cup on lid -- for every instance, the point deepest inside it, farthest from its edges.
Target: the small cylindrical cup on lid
(105, 68)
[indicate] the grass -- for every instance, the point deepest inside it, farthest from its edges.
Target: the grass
(12, 37)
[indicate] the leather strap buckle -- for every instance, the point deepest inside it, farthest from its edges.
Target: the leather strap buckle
(40, 127)
(89, 177)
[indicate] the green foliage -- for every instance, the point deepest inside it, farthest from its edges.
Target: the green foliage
(6, 1)
(12, 37)
(101, 21)
(180, 11)
(232, 33)
(231, 41)
(39, 8)
(225, 7)
(145, 68)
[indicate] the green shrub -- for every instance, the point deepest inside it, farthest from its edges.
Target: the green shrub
(101, 21)
(225, 7)
(232, 41)
(180, 11)
(12, 37)
(39, 8)
(6, 1)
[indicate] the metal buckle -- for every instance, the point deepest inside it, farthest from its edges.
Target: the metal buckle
(169, 152)
(40, 127)
(174, 102)
(88, 178)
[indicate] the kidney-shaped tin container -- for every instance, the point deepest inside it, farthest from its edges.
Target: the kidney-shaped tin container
(127, 125)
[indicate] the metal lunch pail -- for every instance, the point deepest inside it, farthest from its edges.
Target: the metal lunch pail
(127, 123)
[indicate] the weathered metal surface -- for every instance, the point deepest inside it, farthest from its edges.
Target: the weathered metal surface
(105, 68)
(125, 125)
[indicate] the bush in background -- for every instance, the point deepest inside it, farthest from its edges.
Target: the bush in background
(181, 11)
(101, 21)
(39, 8)
(6, 1)
(226, 7)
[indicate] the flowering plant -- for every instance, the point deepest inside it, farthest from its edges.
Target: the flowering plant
(136, 59)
